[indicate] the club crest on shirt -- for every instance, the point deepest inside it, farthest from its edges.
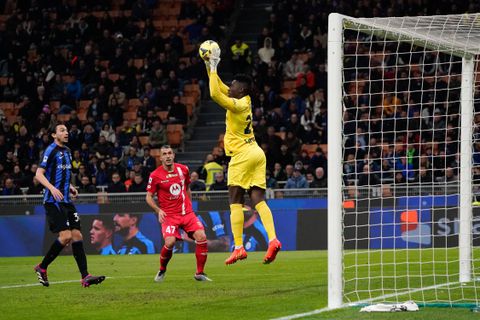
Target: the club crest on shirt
(175, 189)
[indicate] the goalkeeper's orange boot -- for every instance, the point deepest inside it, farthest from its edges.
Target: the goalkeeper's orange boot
(272, 251)
(237, 254)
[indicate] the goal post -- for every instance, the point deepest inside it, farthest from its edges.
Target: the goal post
(404, 160)
(335, 190)
(465, 214)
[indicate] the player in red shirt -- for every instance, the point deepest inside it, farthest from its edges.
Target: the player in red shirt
(170, 182)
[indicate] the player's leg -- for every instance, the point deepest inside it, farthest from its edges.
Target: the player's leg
(81, 259)
(257, 195)
(166, 252)
(236, 197)
(170, 232)
(78, 250)
(58, 223)
(165, 256)
(201, 252)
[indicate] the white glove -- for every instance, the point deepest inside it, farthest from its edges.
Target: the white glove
(214, 61)
(216, 52)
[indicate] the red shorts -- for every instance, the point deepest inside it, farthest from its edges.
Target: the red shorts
(189, 223)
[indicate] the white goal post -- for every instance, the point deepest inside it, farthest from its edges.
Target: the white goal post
(403, 160)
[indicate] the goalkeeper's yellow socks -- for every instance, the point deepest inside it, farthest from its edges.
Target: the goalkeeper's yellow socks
(267, 219)
(236, 221)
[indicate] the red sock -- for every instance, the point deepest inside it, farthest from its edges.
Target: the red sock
(201, 251)
(165, 256)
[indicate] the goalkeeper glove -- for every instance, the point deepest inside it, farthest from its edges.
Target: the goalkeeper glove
(216, 52)
(214, 63)
(215, 59)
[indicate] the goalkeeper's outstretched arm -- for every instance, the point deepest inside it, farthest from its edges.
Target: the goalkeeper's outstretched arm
(223, 87)
(218, 90)
(220, 97)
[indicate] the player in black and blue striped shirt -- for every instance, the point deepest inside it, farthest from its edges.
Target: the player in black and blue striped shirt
(54, 173)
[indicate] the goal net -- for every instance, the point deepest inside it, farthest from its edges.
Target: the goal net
(404, 159)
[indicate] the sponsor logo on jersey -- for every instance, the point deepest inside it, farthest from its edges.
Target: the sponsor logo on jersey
(175, 189)
(64, 166)
(171, 175)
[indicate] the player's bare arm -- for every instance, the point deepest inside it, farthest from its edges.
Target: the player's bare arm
(151, 202)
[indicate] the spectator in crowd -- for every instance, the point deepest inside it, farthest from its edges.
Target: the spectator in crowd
(138, 184)
(10, 189)
(267, 51)
(130, 178)
(101, 176)
(271, 182)
(178, 112)
(130, 158)
(220, 183)
(279, 173)
(18, 176)
(116, 185)
(319, 180)
(284, 157)
(82, 172)
(158, 135)
(108, 133)
(139, 169)
(450, 177)
(241, 58)
(297, 181)
(102, 148)
(289, 171)
(368, 178)
(195, 183)
(86, 186)
(35, 187)
(148, 162)
(293, 67)
(210, 169)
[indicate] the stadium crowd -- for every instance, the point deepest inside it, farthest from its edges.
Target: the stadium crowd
(64, 53)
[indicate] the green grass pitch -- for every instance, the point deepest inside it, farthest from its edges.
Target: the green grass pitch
(295, 283)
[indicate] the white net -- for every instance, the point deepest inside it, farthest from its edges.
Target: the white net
(402, 156)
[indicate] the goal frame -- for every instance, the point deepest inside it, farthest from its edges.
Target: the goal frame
(336, 25)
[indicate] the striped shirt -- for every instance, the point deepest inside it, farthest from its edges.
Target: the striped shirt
(57, 162)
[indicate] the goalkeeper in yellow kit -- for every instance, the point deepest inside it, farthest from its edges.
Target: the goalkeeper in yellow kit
(247, 167)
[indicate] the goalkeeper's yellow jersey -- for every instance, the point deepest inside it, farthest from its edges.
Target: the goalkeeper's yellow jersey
(239, 132)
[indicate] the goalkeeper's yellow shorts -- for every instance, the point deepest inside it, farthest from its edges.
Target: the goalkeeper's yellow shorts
(248, 168)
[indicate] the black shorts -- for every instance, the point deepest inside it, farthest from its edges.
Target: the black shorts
(61, 216)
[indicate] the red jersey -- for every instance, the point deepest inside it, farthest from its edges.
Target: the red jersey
(171, 189)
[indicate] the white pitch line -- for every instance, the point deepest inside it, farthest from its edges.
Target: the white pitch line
(54, 282)
(322, 310)
(390, 295)
(71, 281)
(305, 314)
(36, 284)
